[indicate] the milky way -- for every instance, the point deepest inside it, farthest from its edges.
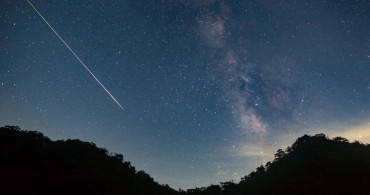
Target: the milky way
(211, 88)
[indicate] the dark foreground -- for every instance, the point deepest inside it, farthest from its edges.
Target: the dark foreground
(33, 164)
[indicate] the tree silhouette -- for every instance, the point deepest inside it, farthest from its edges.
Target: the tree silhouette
(33, 164)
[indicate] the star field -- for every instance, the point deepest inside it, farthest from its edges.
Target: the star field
(210, 88)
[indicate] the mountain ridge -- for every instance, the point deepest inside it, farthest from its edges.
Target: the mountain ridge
(33, 163)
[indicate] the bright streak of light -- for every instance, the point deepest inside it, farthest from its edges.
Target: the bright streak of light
(55, 32)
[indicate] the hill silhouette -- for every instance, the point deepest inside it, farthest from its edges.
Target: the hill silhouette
(33, 164)
(312, 165)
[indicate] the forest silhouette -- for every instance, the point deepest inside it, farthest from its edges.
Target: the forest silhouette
(31, 163)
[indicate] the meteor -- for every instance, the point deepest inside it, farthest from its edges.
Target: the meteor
(69, 48)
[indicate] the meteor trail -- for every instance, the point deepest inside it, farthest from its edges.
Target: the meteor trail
(55, 32)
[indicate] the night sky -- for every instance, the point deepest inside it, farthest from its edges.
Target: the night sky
(210, 89)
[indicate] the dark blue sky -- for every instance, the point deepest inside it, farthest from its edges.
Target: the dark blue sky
(211, 89)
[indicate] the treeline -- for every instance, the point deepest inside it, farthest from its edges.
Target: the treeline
(312, 165)
(33, 164)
